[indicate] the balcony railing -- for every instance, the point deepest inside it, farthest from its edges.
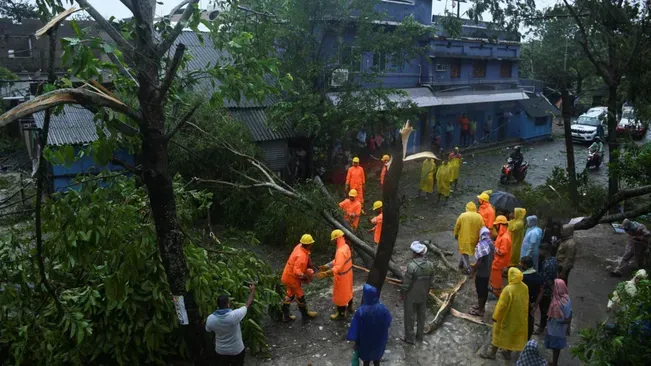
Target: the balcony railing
(526, 84)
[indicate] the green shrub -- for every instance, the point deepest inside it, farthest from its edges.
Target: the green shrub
(101, 258)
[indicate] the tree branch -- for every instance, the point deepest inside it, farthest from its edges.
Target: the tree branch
(182, 122)
(626, 215)
(592, 221)
(177, 7)
(584, 43)
(123, 69)
(165, 45)
(170, 74)
(54, 98)
(128, 4)
(115, 34)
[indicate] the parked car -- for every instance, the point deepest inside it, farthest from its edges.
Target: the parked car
(629, 124)
(584, 129)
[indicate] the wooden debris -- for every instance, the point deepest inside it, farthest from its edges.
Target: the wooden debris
(61, 16)
(445, 308)
(472, 318)
(393, 281)
(432, 247)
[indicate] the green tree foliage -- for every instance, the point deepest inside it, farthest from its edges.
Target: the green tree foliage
(18, 10)
(104, 263)
(625, 339)
(634, 167)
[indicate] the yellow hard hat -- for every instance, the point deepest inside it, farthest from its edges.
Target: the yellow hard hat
(377, 204)
(352, 193)
(501, 219)
(484, 197)
(336, 234)
(307, 239)
(386, 158)
(356, 160)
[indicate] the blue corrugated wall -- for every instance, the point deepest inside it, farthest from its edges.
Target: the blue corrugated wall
(63, 175)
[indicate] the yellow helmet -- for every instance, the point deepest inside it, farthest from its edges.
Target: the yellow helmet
(501, 219)
(356, 160)
(307, 239)
(377, 204)
(352, 193)
(386, 158)
(484, 197)
(336, 234)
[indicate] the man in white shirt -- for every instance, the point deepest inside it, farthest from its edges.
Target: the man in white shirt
(228, 335)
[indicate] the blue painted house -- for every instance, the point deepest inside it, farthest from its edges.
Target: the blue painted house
(471, 79)
(75, 126)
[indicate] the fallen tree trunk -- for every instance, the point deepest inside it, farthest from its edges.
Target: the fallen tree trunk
(444, 309)
(432, 247)
(592, 221)
(626, 215)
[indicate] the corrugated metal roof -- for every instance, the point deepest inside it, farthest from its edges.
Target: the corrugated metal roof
(73, 126)
(539, 107)
(479, 96)
(256, 121)
(423, 97)
(204, 56)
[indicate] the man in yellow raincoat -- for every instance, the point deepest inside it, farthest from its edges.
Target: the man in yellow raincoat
(443, 179)
(455, 165)
(466, 231)
(510, 318)
(341, 268)
(517, 229)
(427, 177)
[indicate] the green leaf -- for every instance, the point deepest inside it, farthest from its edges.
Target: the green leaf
(109, 48)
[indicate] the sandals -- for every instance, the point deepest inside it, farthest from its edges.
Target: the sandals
(476, 312)
(487, 356)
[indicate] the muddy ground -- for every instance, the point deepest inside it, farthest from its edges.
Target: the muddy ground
(458, 341)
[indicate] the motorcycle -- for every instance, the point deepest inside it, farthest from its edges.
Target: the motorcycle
(509, 172)
(594, 160)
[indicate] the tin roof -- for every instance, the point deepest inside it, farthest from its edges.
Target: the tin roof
(256, 121)
(75, 125)
(539, 107)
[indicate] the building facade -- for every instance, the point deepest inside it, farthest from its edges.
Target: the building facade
(467, 86)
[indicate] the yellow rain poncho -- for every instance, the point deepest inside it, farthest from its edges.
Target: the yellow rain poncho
(455, 165)
(427, 176)
(443, 179)
(467, 229)
(517, 228)
(510, 316)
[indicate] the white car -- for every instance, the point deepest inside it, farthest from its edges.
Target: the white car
(631, 125)
(584, 129)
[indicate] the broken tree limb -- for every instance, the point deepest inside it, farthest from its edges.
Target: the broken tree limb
(472, 318)
(431, 246)
(592, 221)
(445, 308)
(626, 215)
(390, 280)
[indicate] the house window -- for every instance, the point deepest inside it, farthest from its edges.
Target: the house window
(18, 46)
(479, 69)
(380, 61)
(351, 59)
(540, 121)
(396, 64)
(506, 69)
(455, 69)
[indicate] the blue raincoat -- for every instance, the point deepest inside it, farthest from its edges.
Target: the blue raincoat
(370, 326)
(531, 242)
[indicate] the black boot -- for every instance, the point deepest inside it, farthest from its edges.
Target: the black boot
(285, 309)
(350, 307)
(302, 306)
(340, 314)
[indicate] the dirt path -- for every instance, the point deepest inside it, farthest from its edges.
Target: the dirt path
(458, 341)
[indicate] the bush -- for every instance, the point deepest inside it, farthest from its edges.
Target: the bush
(553, 198)
(625, 341)
(101, 258)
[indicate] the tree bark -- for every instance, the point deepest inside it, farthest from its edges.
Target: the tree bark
(592, 221)
(613, 145)
(391, 220)
(569, 146)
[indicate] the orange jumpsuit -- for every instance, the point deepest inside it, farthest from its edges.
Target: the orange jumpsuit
(296, 271)
(501, 260)
(342, 269)
(488, 213)
(383, 173)
(377, 221)
(352, 210)
(355, 179)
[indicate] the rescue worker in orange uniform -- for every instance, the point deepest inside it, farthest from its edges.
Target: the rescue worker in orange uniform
(502, 254)
(342, 270)
(385, 167)
(487, 211)
(377, 221)
(352, 209)
(298, 270)
(356, 179)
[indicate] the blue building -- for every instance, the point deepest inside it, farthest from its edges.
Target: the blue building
(469, 80)
(75, 126)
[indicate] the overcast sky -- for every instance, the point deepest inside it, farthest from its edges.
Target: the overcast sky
(115, 8)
